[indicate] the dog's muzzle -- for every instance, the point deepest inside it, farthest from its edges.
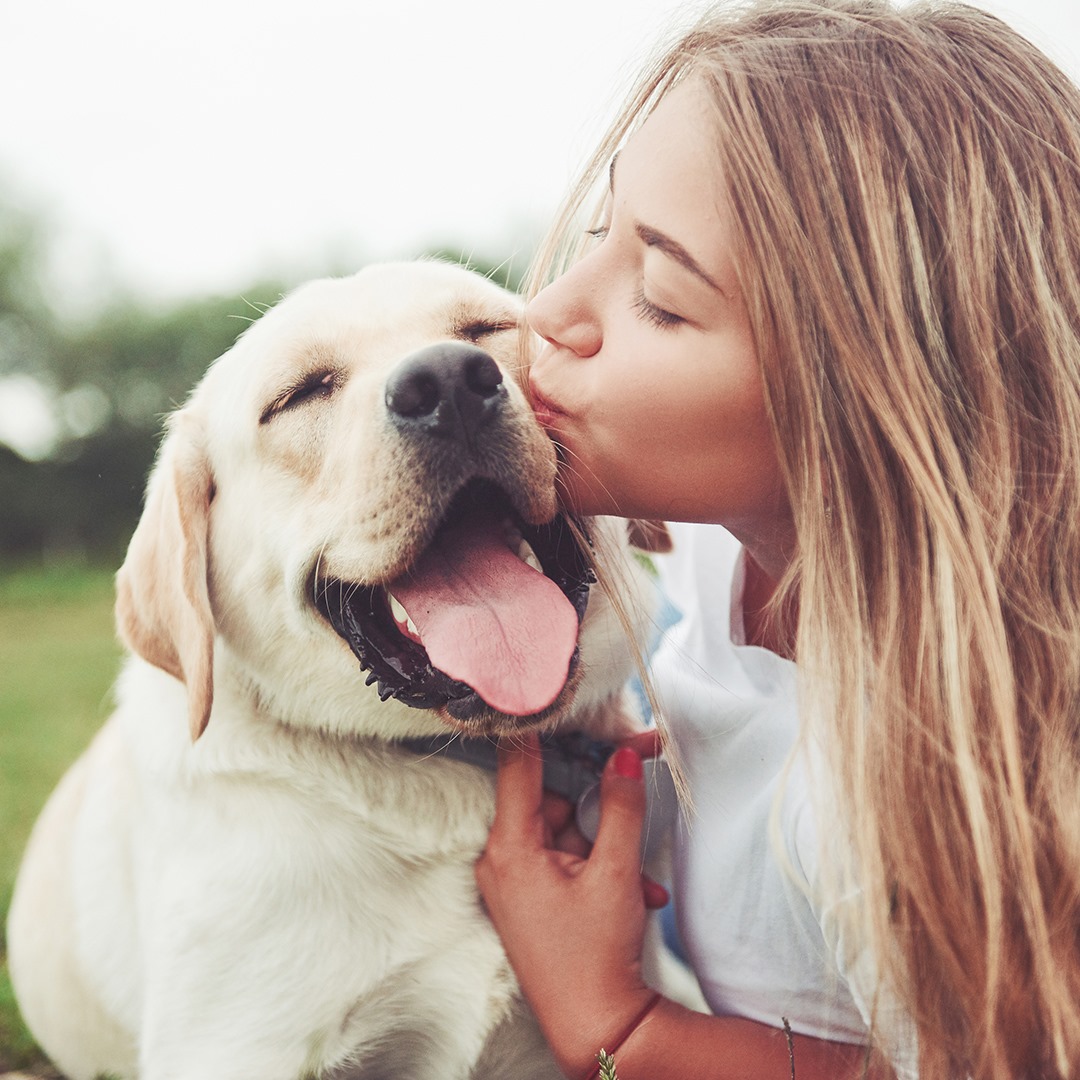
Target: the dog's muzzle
(484, 623)
(391, 647)
(449, 391)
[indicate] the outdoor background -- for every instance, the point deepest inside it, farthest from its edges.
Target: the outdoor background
(164, 171)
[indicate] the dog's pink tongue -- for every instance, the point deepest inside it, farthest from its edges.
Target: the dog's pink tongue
(489, 620)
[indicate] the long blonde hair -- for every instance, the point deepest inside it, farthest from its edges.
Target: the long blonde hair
(905, 185)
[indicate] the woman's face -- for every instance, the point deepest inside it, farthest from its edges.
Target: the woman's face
(649, 379)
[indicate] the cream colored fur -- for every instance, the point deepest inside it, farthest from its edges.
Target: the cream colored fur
(244, 877)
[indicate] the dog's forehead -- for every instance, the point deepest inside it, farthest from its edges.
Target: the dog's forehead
(390, 295)
(382, 312)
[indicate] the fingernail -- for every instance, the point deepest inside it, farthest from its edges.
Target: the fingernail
(626, 762)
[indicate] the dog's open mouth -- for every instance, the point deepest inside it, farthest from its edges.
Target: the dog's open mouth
(487, 617)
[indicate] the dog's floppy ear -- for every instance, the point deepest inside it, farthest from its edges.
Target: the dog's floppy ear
(162, 598)
(649, 535)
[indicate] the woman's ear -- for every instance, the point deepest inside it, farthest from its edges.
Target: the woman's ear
(650, 536)
(162, 596)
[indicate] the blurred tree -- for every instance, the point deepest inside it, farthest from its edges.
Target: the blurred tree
(110, 379)
(27, 330)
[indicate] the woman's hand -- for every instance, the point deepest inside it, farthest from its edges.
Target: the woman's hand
(572, 922)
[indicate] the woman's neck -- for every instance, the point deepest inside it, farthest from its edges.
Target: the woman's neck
(763, 625)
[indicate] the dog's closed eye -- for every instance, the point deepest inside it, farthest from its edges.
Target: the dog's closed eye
(318, 384)
(475, 330)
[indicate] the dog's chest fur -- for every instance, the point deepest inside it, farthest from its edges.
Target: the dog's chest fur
(347, 853)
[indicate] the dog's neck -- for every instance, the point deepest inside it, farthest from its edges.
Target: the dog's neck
(572, 761)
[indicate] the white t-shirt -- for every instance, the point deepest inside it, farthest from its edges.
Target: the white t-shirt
(759, 941)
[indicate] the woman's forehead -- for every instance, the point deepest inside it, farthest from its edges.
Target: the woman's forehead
(668, 178)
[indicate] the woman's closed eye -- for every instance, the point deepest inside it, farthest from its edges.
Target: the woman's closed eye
(657, 316)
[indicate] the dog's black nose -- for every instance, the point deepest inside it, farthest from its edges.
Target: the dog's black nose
(450, 390)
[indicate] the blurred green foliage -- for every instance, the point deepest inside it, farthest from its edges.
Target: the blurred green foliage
(111, 378)
(58, 658)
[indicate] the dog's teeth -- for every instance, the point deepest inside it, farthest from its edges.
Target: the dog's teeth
(513, 536)
(521, 547)
(526, 554)
(399, 613)
(401, 616)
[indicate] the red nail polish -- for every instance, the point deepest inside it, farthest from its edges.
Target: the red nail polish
(626, 762)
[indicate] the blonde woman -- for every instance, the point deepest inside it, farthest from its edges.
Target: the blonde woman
(831, 310)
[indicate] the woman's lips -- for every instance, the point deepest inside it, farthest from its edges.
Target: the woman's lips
(548, 414)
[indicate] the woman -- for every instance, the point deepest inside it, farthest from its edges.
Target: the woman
(833, 306)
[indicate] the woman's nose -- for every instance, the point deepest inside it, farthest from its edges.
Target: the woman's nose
(562, 315)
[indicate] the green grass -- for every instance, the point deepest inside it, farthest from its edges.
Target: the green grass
(58, 659)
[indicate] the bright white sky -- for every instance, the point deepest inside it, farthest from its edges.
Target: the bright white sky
(196, 146)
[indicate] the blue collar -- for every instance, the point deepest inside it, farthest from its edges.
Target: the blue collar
(572, 762)
(572, 767)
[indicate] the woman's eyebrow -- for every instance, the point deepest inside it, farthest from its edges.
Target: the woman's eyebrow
(670, 247)
(673, 249)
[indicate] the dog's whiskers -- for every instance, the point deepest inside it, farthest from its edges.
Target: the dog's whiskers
(320, 558)
(455, 736)
(259, 309)
(498, 270)
(581, 471)
(315, 576)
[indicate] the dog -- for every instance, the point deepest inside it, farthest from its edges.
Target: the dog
(252, 872)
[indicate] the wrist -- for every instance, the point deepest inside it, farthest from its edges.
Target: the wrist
(585, 1023)
(617, 1043)
(656, 1041)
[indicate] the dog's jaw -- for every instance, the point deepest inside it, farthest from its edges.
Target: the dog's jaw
(362, 614)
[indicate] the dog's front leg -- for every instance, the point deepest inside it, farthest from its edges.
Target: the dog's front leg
(218, 1009)
(251, 953)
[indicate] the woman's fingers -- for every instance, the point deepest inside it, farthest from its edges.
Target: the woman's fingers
(654, 894)
(622, 812)
(519, 791)
(645, 744)
(526, 812)
(617, 849)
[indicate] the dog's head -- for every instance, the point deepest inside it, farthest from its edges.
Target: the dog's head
(357, 504)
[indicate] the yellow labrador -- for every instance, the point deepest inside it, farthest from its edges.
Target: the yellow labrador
(249, 874)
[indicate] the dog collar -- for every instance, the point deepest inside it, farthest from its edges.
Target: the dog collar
(572, 762)
(572, 766)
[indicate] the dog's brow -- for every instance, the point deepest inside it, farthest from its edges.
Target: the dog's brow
(300, 387)
(473, 324)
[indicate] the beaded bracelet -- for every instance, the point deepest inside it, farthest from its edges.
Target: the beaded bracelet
(627, 1032)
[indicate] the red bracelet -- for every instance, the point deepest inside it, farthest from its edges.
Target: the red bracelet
(627, 1032)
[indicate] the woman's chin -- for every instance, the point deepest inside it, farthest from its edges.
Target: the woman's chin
(581, 500)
